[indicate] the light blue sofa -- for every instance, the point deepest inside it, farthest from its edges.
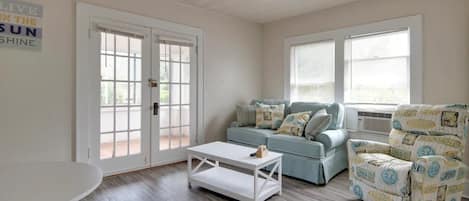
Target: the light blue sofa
(313, 161)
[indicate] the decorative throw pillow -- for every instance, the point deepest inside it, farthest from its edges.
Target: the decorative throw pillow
(269, 116)
(294, 124)
(246, 115)
(318, 123)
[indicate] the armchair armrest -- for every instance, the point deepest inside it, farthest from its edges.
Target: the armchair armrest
(332, 138)
(436, 177)
(356, 146)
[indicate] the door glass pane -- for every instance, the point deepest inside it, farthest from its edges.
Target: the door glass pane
(185, 115)
(122, 45)
(135, 146)
(135, 118)
(106, 148)
(107, 67)
(122, 69)
(135, 96)
(109, 39)
(175, 137)
(185, 141)
(175, 72)
(122, 119)
(175, 53)
(135, 47)
(164, 94)
(185, 54)
(122, 144)
(164, 71)
(122, 91)
(175, 116)
(164, 52)
(107, 93)
(135, 69)
(164, 139)
(175, 94)
(185, 94)
(107, 120)
(185, 73)
(164, 117)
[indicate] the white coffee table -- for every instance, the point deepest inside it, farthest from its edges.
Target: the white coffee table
(257, 186)
(48, 181)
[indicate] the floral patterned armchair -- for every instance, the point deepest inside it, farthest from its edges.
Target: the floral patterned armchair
(422, 162)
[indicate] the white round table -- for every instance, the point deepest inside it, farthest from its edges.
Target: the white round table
(48, 181)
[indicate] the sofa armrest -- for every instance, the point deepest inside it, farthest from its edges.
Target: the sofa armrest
(332, 138)
(235, 124)
(356, 146)
(430, 174)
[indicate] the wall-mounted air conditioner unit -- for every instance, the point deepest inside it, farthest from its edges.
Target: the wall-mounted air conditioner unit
(368, 121)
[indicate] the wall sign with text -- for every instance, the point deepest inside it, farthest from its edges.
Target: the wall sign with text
(20, 25)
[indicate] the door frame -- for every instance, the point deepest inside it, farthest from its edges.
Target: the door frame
(86, 16)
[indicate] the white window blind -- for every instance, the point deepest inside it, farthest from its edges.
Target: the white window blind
(377, 68)
(312, 72)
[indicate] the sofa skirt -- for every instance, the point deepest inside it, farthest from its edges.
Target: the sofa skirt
(316, 171)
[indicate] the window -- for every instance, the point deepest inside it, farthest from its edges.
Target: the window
(312, 72)
(378, 63)
(377, 68)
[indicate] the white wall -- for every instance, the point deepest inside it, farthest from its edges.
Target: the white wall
(37, 88)
(445, 41)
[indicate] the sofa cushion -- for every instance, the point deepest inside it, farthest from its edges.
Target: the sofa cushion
(296, 145)
(249, 135)
(383, 172)
(294, 124)
(334, 109)
(246, 115)
(286, 110)
(269, 116)
(318, 123)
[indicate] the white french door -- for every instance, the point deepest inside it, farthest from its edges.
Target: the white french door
(147, 97)
(173, 122)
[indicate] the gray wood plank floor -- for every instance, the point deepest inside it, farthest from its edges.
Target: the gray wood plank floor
(169, 183)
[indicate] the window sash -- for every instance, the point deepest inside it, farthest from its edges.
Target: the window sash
(411, 23)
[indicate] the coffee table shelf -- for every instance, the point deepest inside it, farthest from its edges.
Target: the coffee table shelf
(233, 183)
(257, 186)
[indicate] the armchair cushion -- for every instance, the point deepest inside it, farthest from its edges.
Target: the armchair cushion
(383, 172)
(437, 178)
(410, 146)
(431, 119)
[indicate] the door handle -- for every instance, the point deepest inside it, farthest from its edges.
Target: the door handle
(156, 108)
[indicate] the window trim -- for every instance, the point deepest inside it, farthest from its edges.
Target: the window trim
(413, 23)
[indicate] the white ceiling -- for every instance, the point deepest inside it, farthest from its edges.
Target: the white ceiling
(262, 11)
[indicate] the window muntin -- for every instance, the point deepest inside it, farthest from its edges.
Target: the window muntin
(312, 72)
(377, 68)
